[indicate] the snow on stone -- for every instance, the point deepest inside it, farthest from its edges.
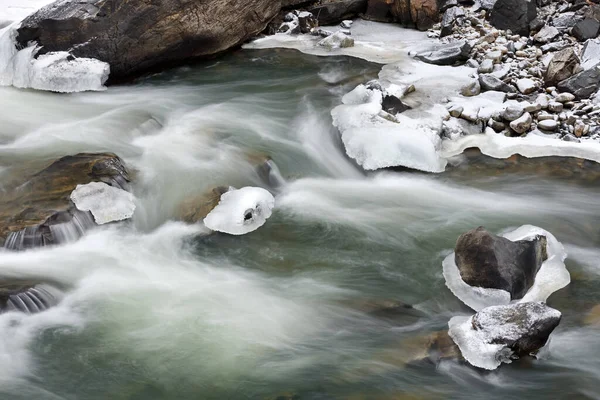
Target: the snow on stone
(552, 276)
(473, 345)
(241, 211)
(56, 71)
(377, 142)
(336, 41)
(105, 202)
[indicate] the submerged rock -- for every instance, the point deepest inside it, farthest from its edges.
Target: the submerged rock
(490, 261)
(135, 37)
(500, 334)
(39, 211)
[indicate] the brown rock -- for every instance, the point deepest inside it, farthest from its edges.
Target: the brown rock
(563, 65)
(196, 208)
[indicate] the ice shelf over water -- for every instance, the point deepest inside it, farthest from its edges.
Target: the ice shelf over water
(106, 203)
(552, 275)
(241, 211)
(56, 71)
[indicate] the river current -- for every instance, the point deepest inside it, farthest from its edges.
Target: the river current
(157, 309)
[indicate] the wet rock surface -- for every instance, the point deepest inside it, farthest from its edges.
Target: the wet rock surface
(31, 213)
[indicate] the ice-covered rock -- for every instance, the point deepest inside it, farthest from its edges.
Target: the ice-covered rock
(336, 41)
(500, 334)
(376, 142)
(241, 211)
(56, 71)
(551, 276)
(105, 202)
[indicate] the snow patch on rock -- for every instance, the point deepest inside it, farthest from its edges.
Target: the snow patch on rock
(241, 211)
(105, 202)
(552, 276)
(56, 71)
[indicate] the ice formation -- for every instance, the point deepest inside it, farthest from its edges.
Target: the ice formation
(376, 140)
(56, 71)
(552, 276)
(106, 203)
(486, 346)
(241, 211)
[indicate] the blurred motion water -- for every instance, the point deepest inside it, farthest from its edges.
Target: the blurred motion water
(159, 309)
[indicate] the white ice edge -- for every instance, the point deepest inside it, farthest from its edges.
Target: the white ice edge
(552, 275)
(55, 71)
(229, 215)
(105, 202)
(473, 347)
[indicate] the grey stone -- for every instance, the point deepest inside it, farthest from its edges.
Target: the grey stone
(486, 66)
(521, 124)
(449, 54)
(515, 15)
(583, 84)
(586, 29)
(590, 54)
(512, 112)
(566, 20)
(490, 82)
(526, 86)
(472, 89)
(546, 34)
(548, 125)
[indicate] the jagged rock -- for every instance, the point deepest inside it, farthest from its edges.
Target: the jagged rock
(503, 333)
(546, 34)
(393, 105)
(135, 37)
(450, 17)
(490, 82)
(449, 54)
(333, 12)
(583, 84)
(512, 112)
(489, 261)
(562, 66)
(566, 21)
(514, 15)
(590, 54)
(521, 124)
(586, 29)
(31, 212)
(306, 21)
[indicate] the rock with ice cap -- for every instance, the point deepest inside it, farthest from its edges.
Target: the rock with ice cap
(523, 265)
(106, 203)
(500, 334)
(336, 41)
(241, 211)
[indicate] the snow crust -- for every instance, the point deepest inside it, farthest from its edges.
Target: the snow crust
(56, 71)
(241, 211)
(495, 324)
(105, 202)
(552, 276)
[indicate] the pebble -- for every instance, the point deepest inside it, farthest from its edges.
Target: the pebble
(512, 112)
(549, 125)
(542, 100)
(555, 106)
(522, 124)
(579, 128)
(497, 126)
(545, 116)
(526, 86)
(564, 97)
(495, 56)
(486, 66)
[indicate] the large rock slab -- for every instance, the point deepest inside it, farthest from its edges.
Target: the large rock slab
(335, 11)
(515, 15)
(500, 334)
(421, 14)
(583, 84)
(489, 261)
(32, 213)
(139, 36)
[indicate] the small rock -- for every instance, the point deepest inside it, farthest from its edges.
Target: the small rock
(449, 54)
(579, 128)
(564, 97)
(522, 124)
(495, 56)
(548, 125)
(546, 34)
(562, 65)
(544, 116)
(569, 137)
(455, 110)
(512, 112)
(497, 126)
(486, 66)
(542, 100)
(346, 24)
(526, 86)
(472, 89)
(337, 40)
(555, 106)
(490, 82)
(472, 63)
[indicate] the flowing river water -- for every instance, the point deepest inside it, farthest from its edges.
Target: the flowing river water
(157, 309)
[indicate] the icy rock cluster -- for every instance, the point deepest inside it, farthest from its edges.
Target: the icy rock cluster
(507, 327)
(241, 211)
(106, 203)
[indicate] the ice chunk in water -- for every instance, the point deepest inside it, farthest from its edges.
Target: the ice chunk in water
(56, 71)
(241, 211)
(552, 276)
(106, 203)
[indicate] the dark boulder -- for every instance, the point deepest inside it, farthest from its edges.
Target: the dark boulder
(335, 11)
(139, 36)
(586, 29)
(449, 54)
(393, 105)
(562, 66)
(514, 15)
(489, 261)
(31, 212)
(421, 14)
(524, 328)
(583, 84)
